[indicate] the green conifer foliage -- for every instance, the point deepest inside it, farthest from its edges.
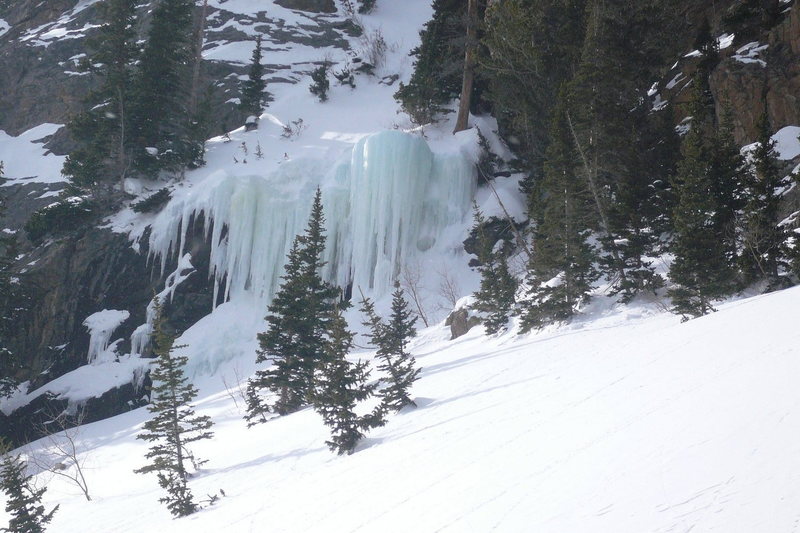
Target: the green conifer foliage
(24, 501)
(103, 130)
(320, 85)
(496, 296)
(298, 323)
(530, 48)
(438, 63)
(161, 120)
(609, 115)
(728, 174)
(763, 240)
(701, 268)
(9, 302)
(561, 269)
(174, 424)
(252, 92)
(391, 338)
(366, 6)
(340, 386)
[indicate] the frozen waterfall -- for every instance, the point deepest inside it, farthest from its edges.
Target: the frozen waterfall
(386, 202)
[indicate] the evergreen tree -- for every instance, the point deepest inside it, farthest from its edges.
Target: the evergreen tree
(174, 424)
(701, 268)
(496, 296)
(529, 49)
(320, 85)
(161, 120)
(622, 49)
(366, 6)
(728, 173)
(24, 501)
(763, 239)
(9, 302)
(561, 268)
(392, 338)
(340, 386)
(103, 130)
(438, 62)
(252, 91)
(298, 323)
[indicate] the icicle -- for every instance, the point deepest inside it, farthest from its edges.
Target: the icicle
(101, 326)
(386, 202)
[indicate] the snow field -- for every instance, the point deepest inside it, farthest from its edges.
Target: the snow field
(632, 422)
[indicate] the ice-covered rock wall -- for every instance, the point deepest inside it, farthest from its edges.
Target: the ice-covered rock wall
(385, 203)
(101, 326)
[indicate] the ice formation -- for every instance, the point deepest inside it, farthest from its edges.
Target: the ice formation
(385, 203)
(140, 338)
(101, 326)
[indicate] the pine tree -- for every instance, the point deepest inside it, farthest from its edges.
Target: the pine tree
(174, 424)
(561, 269)
(161, 122)
(392, 338)
(366, 6)
(252, 91)
(340, 386)
(610, 109)
(701, 268)
(495, 298)
(320, 85)
(9, 302)
(299, 320)
(103, 130)
(438, 63)
(24, 502)
(764, 240)
(728, 173)
(530, 48)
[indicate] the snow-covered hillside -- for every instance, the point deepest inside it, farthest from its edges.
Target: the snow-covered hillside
(625, 420)
(628, 421)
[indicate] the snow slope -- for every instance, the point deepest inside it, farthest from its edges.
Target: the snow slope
(627, 421)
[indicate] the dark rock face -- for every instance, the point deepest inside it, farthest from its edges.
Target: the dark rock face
(24, 424)
(75, 276)
(34, 87)
(746, 85)
(40, 82)
(314, 6)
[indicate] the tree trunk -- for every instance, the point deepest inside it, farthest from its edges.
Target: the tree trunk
(462, 122)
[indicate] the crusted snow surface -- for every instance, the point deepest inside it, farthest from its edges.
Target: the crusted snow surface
(787, 142)
(26, 160)
(85, 382)
(626, 421)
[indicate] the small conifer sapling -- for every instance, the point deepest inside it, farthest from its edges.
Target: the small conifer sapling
(174, 424)
(391, 338)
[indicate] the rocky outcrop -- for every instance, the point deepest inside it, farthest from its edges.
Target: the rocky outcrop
(46, 39)
(73, 276)
(314, 6)
(747, 81)
(460, 322)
